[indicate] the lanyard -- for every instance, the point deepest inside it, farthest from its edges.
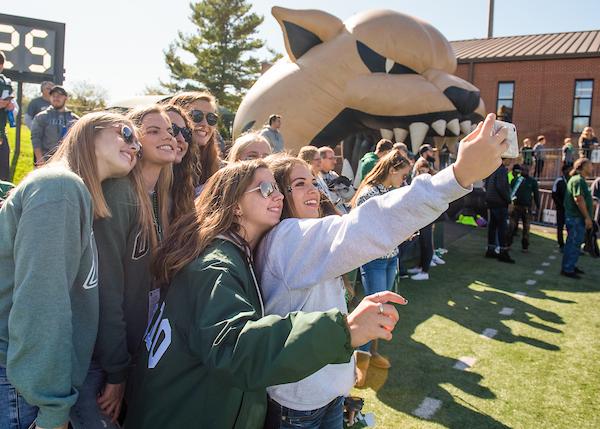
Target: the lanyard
(155, 217)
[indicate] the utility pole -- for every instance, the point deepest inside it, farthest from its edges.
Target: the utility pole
(491, 20)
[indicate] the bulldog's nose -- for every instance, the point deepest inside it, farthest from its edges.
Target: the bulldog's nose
(465, 101)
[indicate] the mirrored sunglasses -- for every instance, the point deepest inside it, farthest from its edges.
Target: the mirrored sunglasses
(266, 189)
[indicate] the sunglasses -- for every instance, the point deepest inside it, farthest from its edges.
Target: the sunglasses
(266, 189)
(185, 132)
(128, 136)
(199, 115)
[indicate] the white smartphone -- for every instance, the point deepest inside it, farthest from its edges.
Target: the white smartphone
(511, 138)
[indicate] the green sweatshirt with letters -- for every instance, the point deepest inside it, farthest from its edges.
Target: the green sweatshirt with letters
(210, 352)
(48, 290)
(125, 281)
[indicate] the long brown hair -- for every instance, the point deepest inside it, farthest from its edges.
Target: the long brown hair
(209, 155)
(184, 173)
(213, 215)
(165, 179)
(391, 161)
(78, 152)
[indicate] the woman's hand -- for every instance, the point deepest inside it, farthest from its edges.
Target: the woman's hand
(479, 153)
(111, 399)
(374, 318)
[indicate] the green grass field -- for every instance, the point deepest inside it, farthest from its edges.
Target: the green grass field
(540, 371)
(25, 163)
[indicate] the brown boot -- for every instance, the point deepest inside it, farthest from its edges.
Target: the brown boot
(362, 366)
(377, 360)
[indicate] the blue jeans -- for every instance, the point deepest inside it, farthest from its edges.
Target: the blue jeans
(15, 412)
(86, 414)
(575, 237)
(378, 276)
(331, 416)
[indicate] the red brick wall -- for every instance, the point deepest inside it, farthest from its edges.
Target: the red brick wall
(544, 90)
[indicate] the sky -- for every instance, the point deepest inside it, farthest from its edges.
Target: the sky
(119, 45)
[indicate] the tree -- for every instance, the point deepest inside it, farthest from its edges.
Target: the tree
(221, 48)
(85, 97)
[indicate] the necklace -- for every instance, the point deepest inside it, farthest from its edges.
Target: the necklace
(155, 217)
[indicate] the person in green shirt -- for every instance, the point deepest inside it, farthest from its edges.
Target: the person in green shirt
(578, 215)
(368, 161)
(49, 266)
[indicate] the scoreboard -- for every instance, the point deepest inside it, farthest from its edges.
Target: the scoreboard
(34, 49)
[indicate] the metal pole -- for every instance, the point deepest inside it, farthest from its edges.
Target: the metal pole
(491, 20)
(17, 149)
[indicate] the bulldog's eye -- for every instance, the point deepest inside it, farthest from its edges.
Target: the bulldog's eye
(380, 64)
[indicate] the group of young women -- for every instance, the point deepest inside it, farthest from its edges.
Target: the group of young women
(122, 298)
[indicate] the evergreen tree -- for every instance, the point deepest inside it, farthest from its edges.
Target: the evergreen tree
(222, 49)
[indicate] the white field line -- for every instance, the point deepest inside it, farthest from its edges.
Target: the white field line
(428, 408)
(530, 282)
(488, 333)
(507, 311)
(464, 363)
(539, 272)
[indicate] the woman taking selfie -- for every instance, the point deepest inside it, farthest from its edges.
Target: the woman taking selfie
(210, 351)
(49, 281)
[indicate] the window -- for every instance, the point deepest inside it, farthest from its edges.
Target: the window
(504, 106)
(582, 105)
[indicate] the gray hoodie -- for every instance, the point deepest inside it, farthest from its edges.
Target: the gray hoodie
(49, 128)
(299, 263)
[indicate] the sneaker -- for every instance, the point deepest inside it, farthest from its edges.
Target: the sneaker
(438, 260)
(505, 257)
(404, 275)
(415, 270)
(441, 251)
(491, 254)
(579, 271)
(432, 264)
(572, 275)
(420, 276)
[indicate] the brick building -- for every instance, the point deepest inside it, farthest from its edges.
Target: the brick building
(547, 83)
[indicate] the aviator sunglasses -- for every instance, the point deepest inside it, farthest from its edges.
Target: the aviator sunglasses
(211, 118)
(266, 189)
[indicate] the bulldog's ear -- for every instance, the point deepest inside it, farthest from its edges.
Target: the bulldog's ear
(304, 29)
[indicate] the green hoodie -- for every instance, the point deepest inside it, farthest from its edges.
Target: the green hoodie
(213, 352)
(125, 281)
(368, 161)
(48, 286)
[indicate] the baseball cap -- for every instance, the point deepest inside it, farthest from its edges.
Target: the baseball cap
(424, 148)
(60, 90)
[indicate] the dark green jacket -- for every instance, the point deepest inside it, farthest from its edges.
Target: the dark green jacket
(125, 281)
(213, 353)
(527, 193)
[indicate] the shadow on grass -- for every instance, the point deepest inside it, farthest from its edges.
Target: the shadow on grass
(471, 292)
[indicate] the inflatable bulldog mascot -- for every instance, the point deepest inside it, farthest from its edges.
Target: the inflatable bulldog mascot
(379, 74)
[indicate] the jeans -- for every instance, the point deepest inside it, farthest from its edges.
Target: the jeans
(378, 276)
(523, 214)
(15, 412)
(498, 224)
(86, 413)
(575, 237)
(331, 416)
(560, 226)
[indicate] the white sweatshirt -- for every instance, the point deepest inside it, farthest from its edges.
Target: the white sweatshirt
(300, 262)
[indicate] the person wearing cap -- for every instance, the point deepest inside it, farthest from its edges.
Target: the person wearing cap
(50, 126)
(38, 104)
(524, 192)
(426, 152)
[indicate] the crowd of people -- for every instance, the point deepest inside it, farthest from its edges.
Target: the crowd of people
(148, 282)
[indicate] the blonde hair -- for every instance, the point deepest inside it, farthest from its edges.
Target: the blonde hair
(242, 142)
(78, 152)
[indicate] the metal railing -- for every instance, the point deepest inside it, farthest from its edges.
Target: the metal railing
(553, 164)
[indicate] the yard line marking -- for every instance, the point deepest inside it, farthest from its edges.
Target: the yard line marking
(507, 311)
(464, 363)
(428, 408)
(539, 272)
(552, 257)
(488, 333)
(530, 282)
(545, 264)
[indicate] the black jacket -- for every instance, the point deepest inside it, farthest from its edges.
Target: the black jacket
(497, 189)
(559, 188)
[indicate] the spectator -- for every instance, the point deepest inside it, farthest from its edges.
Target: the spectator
(7, 104)
(249, 146)
(50, 126)
(587, 141)
(497, 197)
(311, 155)
(332, 179)
(426, 152)
(444, 156)
(524, 193)
(568, 152)
(38, 104)
(527, 152)
(369, 160)
(578, 213)
(272, 133)
(558, 195)
(596, 198)
(539, 155)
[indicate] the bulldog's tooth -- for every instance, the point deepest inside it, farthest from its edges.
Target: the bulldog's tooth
(400, 135)
(465, 127)
(418, 131)
(454, 127)
(389, 64)
(386, 134)
(439, 127)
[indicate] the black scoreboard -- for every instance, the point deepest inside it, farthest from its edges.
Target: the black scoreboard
(34, 49)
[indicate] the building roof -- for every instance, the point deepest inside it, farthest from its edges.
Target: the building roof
(530, 47)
